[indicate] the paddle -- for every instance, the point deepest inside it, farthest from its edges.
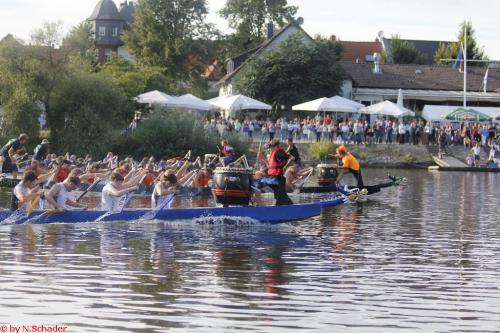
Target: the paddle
(152, 213)
(91, 187)
(45, 213)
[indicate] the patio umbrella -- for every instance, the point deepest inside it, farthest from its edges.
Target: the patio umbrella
(192, 102)
(233, 103)
(347, 101)
(387, 108)
(325, 104)
(462, 114)
(156, 97)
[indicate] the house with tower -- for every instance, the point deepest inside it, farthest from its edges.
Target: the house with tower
(108, 25)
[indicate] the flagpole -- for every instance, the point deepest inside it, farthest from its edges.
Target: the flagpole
(465, 65)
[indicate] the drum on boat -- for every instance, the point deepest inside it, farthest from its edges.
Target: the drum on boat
(327, 174)
(232, 186)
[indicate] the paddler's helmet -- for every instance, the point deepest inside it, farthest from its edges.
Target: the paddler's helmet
(341, 151)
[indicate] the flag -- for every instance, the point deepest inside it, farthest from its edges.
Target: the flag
(459, 59)
(485, 80)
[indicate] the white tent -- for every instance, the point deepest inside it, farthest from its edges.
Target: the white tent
(156, 97)
(192, 102)
(325, 104)
(387, 108)
(233, 103)
(438, 113)
(349, 102)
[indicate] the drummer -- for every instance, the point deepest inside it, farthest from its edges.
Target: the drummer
(349, 164)
(227, 152)
(277, 162)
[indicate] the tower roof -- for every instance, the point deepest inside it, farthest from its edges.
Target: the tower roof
(127, 11)
(105, 10)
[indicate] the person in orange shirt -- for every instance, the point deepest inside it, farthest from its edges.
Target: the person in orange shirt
(349, 164)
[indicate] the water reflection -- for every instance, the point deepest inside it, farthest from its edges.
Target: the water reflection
(419, 258)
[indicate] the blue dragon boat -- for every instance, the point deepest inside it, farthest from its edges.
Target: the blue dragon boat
(267, 214)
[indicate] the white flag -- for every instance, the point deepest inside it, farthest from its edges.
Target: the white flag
(485, 80)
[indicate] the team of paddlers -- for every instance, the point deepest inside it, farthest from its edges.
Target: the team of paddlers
(52, 180)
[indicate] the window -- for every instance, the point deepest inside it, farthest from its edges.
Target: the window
(107, 55)
(102, 31)
(114, 33)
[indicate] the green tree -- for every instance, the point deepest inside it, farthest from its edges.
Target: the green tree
(18, 89)
(294, 73)
(451, 50)
(163, 33)
(249, 17)
(403, 52)
(80, 44)
(87, 108)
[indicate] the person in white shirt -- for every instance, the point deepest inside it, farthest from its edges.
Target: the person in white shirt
(25, 192)
(115, 190)
(59, 194)
(476, 151)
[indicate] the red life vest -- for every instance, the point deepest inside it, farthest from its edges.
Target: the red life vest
(275, 167)
(228, 153)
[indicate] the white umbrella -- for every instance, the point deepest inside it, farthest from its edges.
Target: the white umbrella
(324, 104)
(156, 97)
(192, 102)
(387, 108)
(349, 102)
(237, 102)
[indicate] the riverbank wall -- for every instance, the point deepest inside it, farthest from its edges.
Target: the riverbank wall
(376, 155)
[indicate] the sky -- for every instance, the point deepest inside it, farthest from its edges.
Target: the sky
(357, 20)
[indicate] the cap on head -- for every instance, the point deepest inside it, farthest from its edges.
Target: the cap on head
(45, 142)
(341, 150)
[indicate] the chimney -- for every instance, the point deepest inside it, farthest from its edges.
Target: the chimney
(270, 30)
(376, 60)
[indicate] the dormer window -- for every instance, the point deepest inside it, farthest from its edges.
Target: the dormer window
(114, 32)
(102, 31)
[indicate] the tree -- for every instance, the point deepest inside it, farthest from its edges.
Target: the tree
(87, 107)
(403, 52)
(294, 73)
(19, 79)
(451, 50)
(163, 32)
(249, 17)
(80, 43)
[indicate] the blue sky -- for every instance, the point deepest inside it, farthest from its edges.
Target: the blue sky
(349, 20)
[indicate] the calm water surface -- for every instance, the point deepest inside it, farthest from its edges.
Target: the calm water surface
(419, 258)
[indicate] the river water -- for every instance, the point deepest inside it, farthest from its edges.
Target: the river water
(418, 258)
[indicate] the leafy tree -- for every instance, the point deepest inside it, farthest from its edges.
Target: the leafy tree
(403, 52)
(163, 33)
(249, 17)
(87, 108)
(451, 50)
(18, 89)
(294, 73)
(79, 43)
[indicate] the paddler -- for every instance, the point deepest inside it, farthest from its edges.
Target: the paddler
(115, 190)
(41, 151)
(25, 192)
(9, 150)
(277, 162)
(59, 194)
(166, 186)
(227, 152)
(349, 164)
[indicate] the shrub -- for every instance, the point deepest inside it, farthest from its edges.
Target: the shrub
(171, 133)
(321, 150)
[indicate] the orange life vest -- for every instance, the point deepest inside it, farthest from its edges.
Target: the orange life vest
(275, 167)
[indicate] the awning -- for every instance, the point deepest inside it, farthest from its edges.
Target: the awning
(462, 114)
